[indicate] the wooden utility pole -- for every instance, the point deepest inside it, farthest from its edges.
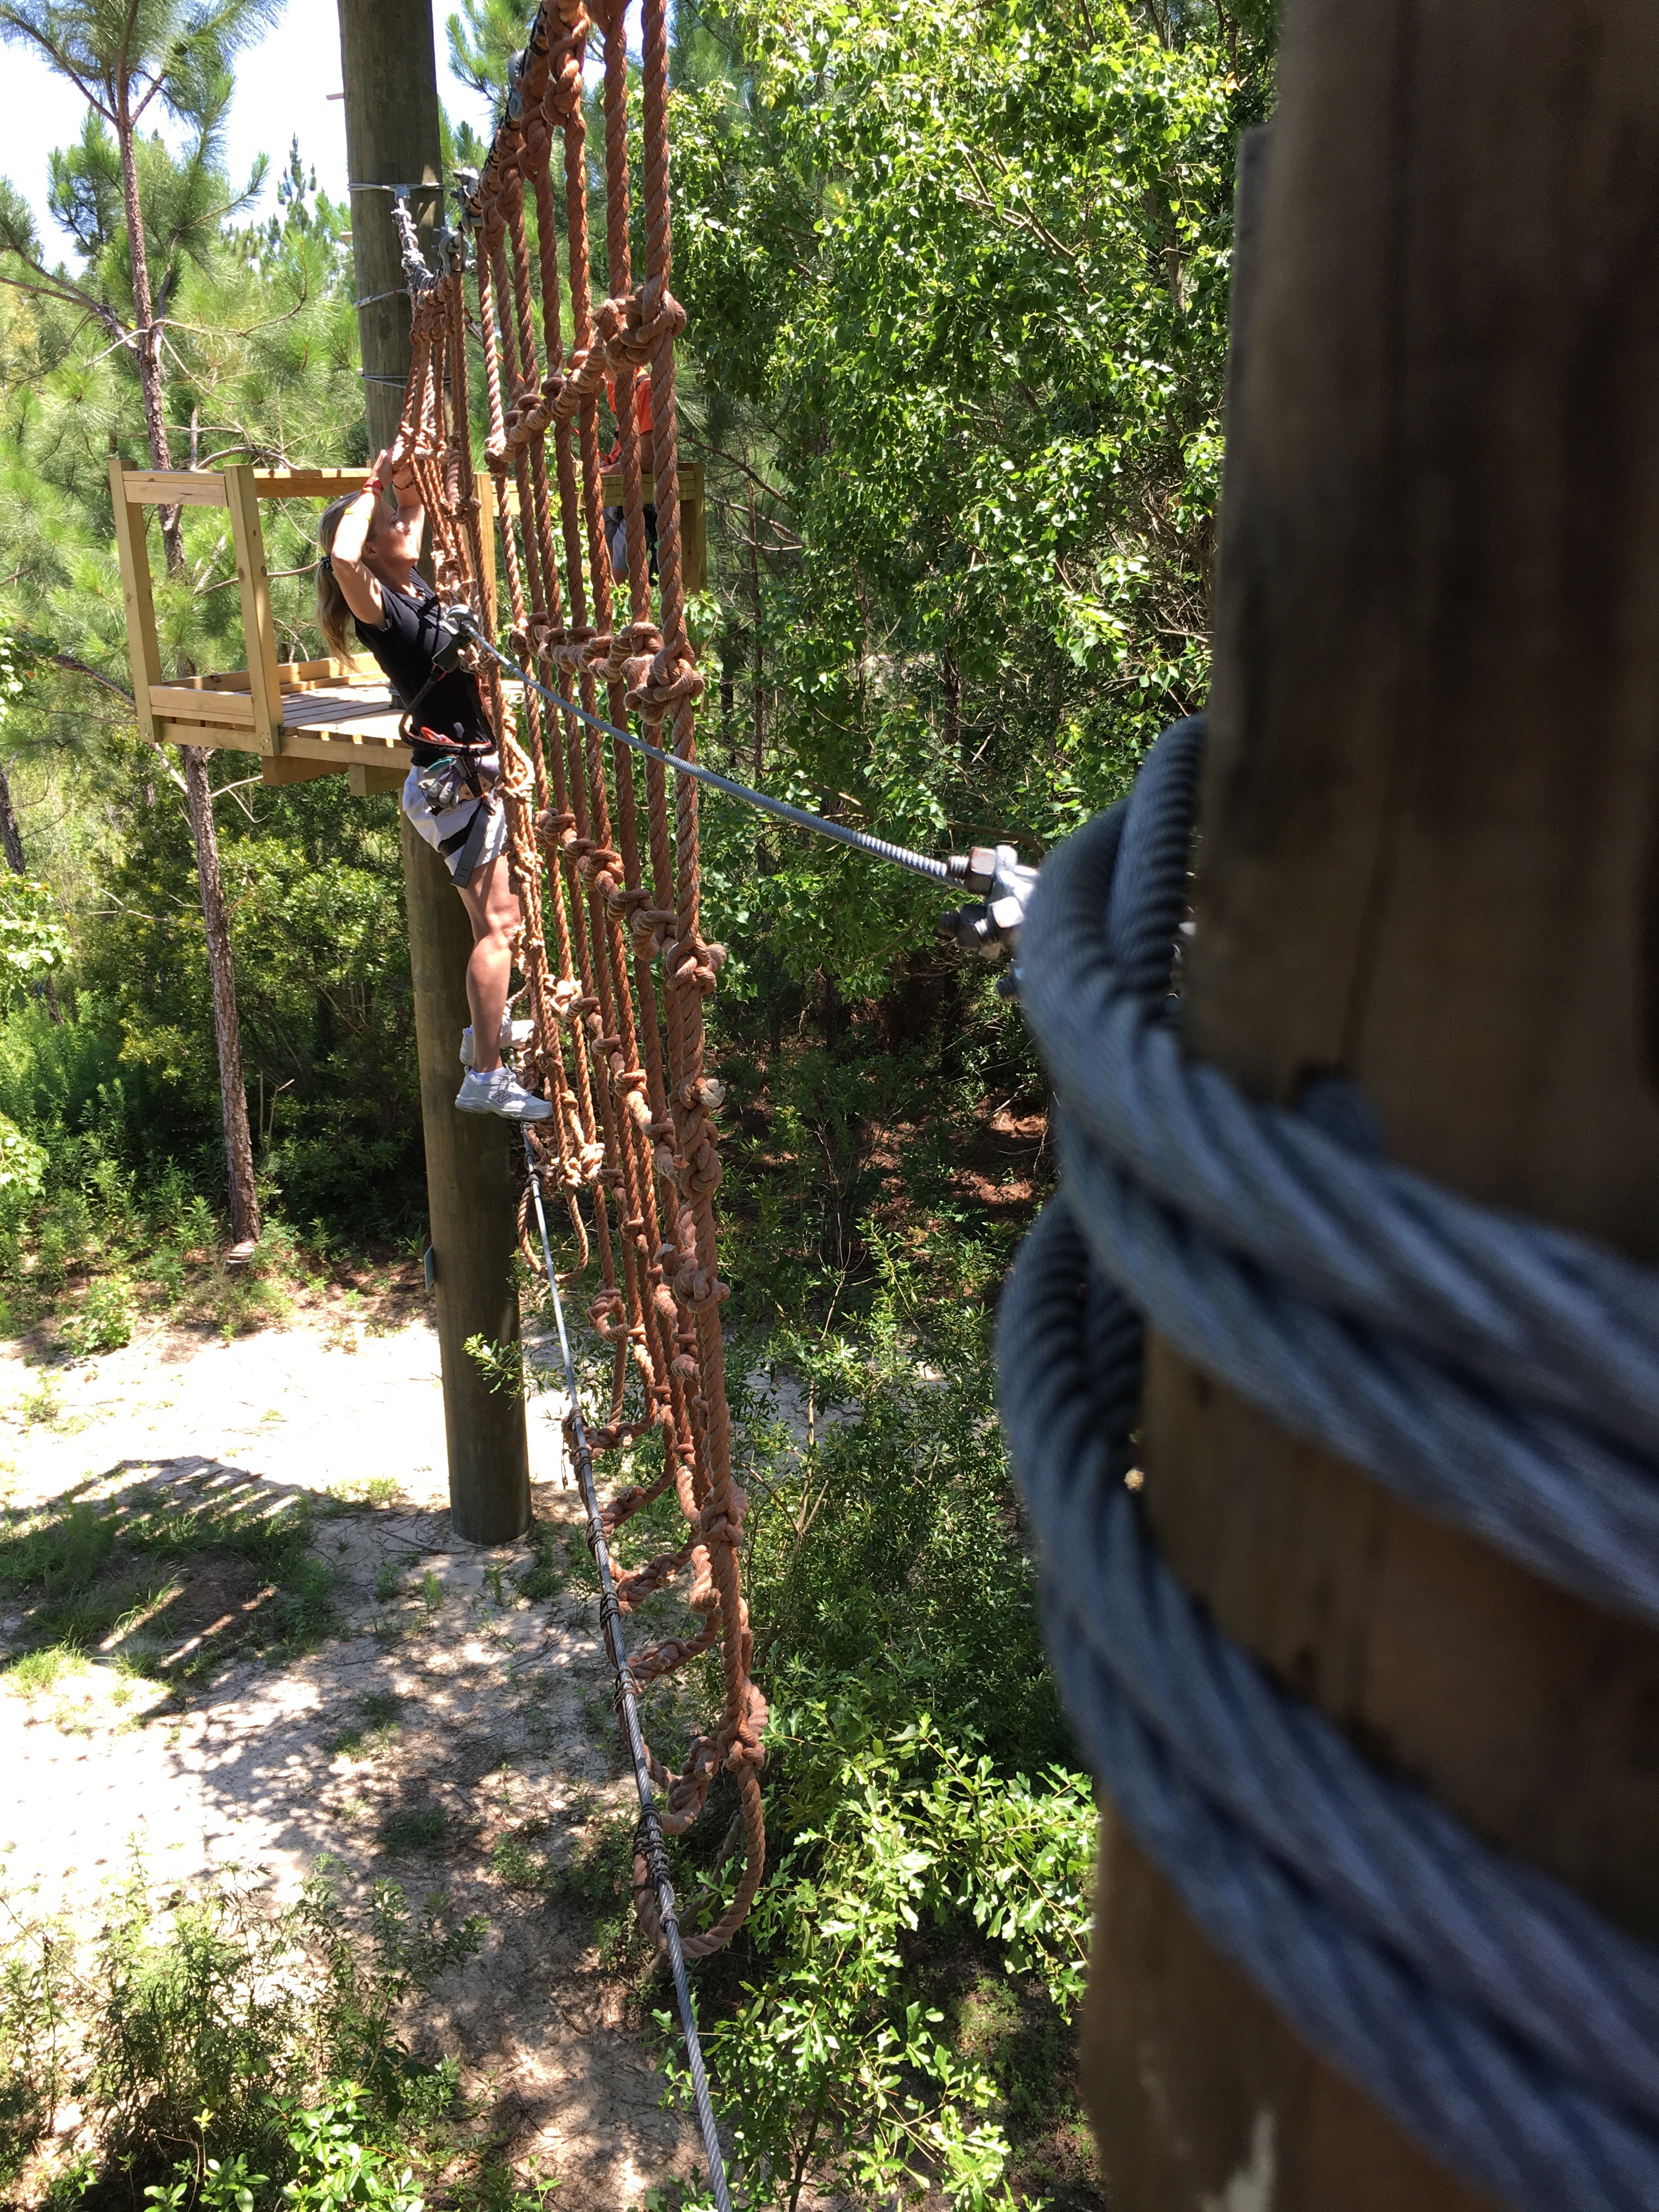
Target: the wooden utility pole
(1426, 862)
(389, 61)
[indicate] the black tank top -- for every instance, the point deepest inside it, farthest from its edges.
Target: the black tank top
(406, 644)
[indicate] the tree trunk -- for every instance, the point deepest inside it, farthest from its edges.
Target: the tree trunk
(11, 836)
(149, 337)
(951, 671)
(759, 659)
(239, 1143)
(388, 67)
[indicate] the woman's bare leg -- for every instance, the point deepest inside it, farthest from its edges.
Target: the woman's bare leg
(493, 910)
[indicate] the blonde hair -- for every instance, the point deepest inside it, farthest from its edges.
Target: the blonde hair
(333, 615)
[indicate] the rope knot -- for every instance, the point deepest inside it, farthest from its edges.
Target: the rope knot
(649, 927)
(594, 861)
(699, 1286)
(691, 965)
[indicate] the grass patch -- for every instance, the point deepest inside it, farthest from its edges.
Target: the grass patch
(377, 1490)
(421, 1828)
(45, 1669)
(549, 1571)
(514, 1864)
(152, 1574)
(379, 1710)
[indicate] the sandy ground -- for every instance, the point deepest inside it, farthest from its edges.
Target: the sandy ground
(501, 1714)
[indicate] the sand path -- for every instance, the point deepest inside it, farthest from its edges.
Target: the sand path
(501, 1719)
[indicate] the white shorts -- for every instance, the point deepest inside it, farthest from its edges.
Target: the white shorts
(468, 836)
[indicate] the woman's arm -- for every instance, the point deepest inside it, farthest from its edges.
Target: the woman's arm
(359, 586)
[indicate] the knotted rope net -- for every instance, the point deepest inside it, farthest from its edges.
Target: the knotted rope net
(615, 962)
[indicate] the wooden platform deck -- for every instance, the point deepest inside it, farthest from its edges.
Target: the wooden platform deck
(306, 718)
(335, 715)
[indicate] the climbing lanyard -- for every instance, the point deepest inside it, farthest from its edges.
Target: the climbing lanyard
(649, 1833)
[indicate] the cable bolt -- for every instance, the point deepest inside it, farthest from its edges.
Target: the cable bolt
(991, 927)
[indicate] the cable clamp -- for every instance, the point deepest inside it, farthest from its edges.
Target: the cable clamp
(992, 926)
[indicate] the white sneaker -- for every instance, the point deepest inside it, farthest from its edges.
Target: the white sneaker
(500, 1092)
(514, 1037)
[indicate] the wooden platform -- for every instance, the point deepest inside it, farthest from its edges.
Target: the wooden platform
(303, 718)
(335, 715)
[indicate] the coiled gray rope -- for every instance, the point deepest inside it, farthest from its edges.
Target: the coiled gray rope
(1494, 1372)
(1505, 2024)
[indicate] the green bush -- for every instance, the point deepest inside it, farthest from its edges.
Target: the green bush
(104, 1323)
(232, 2058)
(839, 2055)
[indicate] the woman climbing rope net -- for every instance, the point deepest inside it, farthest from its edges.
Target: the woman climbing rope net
(367, 573)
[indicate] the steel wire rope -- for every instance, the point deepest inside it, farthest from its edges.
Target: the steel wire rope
(1481, 1366)
(880, 848)
(650, 1827)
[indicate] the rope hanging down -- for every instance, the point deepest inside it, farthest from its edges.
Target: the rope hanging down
(612, 950)
(1501, 2020)
(652, 1886)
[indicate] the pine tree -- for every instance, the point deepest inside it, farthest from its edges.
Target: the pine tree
(128, 59)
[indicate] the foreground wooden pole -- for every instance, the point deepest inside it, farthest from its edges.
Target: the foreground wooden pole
(1426, 862)
(391, 138)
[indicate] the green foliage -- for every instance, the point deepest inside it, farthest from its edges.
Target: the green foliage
(263, 2043)
(959, 283)
(33, 934)
(22, 1162)
(104, 1323)
(894, 1838)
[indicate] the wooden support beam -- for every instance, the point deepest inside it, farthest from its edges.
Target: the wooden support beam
(474, 1215)
(183, 702)
(347, 747)
(176, 488)
(211, 737)
(297, 674)
(390, 73)
(259, 635)
(321, 485)
(144, 647)
(366, 781)
(1426, 864)
(277, 770)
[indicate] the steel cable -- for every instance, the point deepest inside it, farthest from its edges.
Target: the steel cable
(1504, 2023)
(880, 848)
(650, 1827)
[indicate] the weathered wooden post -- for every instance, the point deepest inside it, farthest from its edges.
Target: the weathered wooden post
(1429, 859)
(390, 84)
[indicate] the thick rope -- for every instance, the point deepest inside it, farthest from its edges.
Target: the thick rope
(1501, 2020)
(1494, 1372)
(615, 965)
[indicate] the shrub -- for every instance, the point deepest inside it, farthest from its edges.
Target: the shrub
(104, 1323)
(839, 2053)
(260, 2045)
